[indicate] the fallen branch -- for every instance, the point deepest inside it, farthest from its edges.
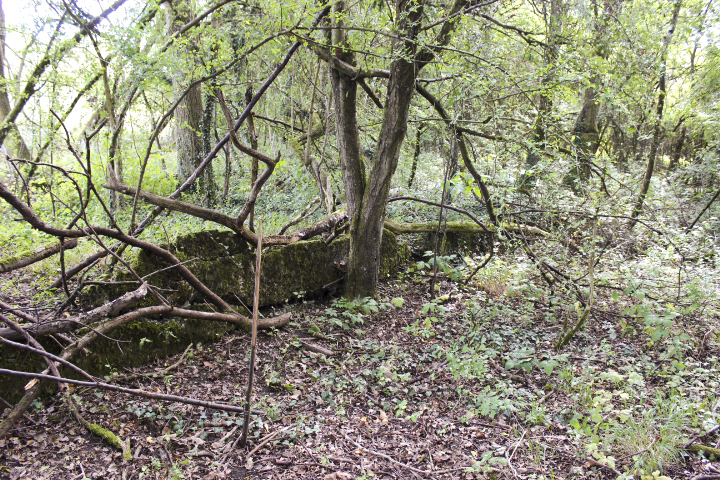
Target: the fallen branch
(317, 348)
(595, 463)
(132, 391)
(28, 258)
(110, 309)
(461, 227)
(412, 469)
(269, 437)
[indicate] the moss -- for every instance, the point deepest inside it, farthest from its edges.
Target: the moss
(111, 439)
(225, 264)
(709, 452)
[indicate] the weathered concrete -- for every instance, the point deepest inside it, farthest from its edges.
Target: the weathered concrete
(226, 264)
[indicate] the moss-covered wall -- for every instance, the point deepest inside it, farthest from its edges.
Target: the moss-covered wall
(162, 338)
(226, 264)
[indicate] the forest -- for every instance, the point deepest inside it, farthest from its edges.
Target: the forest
(469, 239)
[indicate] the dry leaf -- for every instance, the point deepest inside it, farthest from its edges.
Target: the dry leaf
(383, 416)
(440, 457)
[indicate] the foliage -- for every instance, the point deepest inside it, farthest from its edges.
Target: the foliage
(512, 81)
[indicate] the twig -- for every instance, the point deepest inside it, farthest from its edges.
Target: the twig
(509, 458)
(567, 336)
(595, 463)
(317, 348)
(133, 391)
(703, 211)
(545, 397)
(712, 430)
(267, 438)
(7, 404)
(253, 341)
(157, 374)
(412, 469)
(637, 453)
(309, 210)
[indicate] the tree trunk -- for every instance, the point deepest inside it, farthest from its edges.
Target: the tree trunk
(585, 132)
(367, 194)
(207, 180)
(22, 151)
(367, 198)
(677, 149)
(416, 153)
(254, 144)
(657, 132)
(188, 115)
(554, 25)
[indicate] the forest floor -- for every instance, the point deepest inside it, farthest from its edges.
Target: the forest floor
(468, 386)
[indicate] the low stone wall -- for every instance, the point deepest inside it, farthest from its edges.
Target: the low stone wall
(138, 343)
(225, 263)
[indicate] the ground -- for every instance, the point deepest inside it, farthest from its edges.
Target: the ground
(467, 386)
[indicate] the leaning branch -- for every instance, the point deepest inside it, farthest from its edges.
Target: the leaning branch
(463, 150)
(30, 86)
(449, 207)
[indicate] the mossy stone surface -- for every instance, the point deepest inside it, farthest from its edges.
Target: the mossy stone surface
(226, 264)
(140, 343)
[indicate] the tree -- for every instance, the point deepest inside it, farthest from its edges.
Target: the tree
(22, 150)
(191, 124)
(586, 136)
(657, 130)
(367, 192)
